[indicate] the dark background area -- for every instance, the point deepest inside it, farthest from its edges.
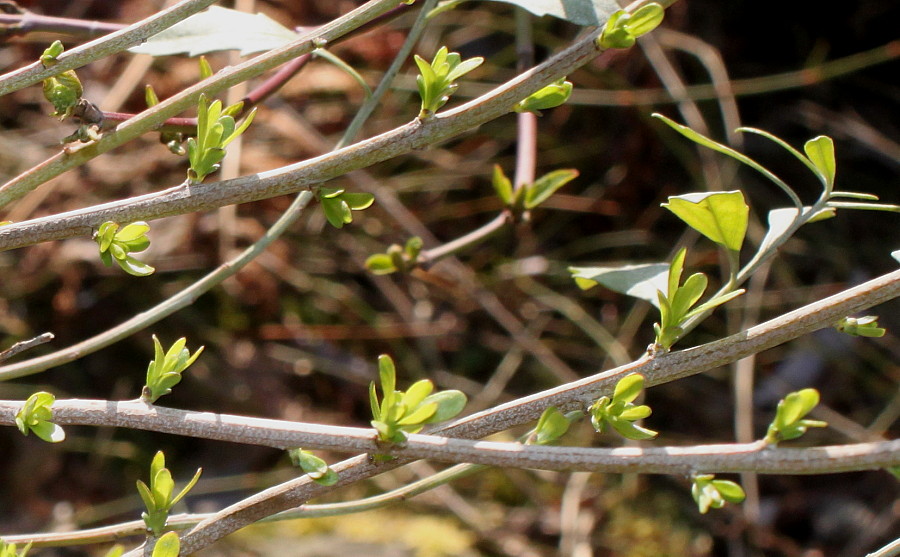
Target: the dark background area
(295, 334)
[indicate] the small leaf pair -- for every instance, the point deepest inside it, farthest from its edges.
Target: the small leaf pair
(789, 422)
(437, 80)
(623, 28)
(552, 425)
(709, 492)
(676, 305)
(338, 204)
(164, 371)
(551, 96)
(158, 497)
(35, 416)
(216, 128)
(117, 244)
(530, 196)
(620, 412)
(63, 90)
(861, 326)
(313, 466)
(396, 258)
(400, 413)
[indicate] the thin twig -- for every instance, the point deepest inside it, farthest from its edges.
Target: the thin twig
(24, 345)
(104, 46)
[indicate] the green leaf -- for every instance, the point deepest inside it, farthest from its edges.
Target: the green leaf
(373, 401)
(416, 393)
(720, 216)
(334, 211)
(630, 430)
(387, 374)
(218, 29)
(645, 19)
(150, 96)
(449, 404)
(820, 151)
(503, 186)
(206, 70)
(162, 485)
(551, 96)
(546, 185)
(187, 488)
(132, 231)
(464, 67)
(676, 268)
(641, 281)
(551, 426)
(358, 201)
(134, 267)
(168, 545)
(709, 143)
(240, 129)
(730, 491)
(420, 415)
(715, 302)
(796, 405)
(49, 432)
(628, 388)
(146, 496)
(686, 296)
(634, 413)
(381, 264)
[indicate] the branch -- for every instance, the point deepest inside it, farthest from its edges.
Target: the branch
(288, 179)
(668, 367)
(155, 115)
(104, 46)
(282, 434)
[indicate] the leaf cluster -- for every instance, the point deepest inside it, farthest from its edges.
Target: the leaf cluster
(396, 258)
(216, 128)
(338, 204)
(620, 412)
(399, 413)
(789, 422)
(117, 244)
(709, 492)
(35, 416)
(861, 326)
(164, 371)
(623, 28)
(437, 80)
(531, 195)
(158, 497)
(677, 304)
(63, 90)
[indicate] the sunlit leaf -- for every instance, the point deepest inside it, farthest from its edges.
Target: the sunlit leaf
(218, 29)
(720, 216)
(641, 281)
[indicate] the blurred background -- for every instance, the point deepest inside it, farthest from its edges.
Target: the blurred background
(296, 333)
